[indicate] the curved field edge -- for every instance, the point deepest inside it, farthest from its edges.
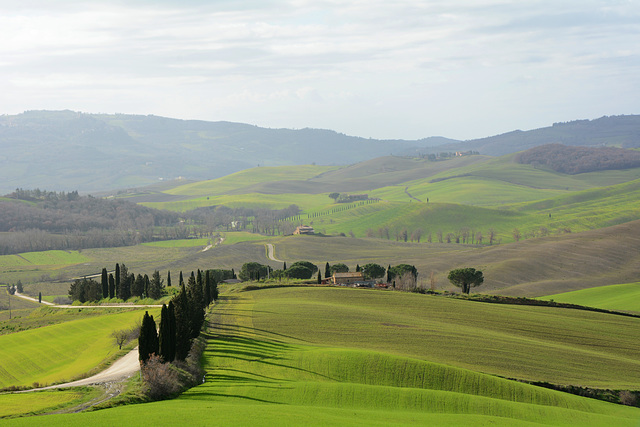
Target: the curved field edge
(624, 297)
(61, 352)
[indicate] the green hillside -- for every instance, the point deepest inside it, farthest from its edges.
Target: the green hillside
(61, 352)
(624, 297)
(373, 361)
(417, 194)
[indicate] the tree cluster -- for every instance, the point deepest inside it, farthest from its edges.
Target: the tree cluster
(574, 160)
(119, 284)
(464, 235)
(65, 213)
(348, 198)
(180, 321)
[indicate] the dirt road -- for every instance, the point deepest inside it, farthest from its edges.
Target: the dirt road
(19, 295)
(123, 368)
(270, 251)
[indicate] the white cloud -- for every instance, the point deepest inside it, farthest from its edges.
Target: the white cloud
(402, 69)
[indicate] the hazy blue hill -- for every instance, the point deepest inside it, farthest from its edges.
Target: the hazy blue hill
(66, 150)
(618, 131)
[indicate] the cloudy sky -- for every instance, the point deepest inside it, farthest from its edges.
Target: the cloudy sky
(373, 68)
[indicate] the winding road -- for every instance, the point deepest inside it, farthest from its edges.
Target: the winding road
(270, 253)
(112, 378)
(19, 295)
(123, 368)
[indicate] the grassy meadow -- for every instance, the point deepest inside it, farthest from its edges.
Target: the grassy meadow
(34, 403)
(330, 356)
(64, 351)
(625, 297)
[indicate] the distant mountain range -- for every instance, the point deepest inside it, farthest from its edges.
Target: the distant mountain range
(66, 150)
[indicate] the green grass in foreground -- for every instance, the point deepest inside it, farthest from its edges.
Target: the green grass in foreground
(269, 366)
(614, 297)
(61, 352)
(15, 404)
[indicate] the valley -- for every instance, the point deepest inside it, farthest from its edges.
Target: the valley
(278, 348)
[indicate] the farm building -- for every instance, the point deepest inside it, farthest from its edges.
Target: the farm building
(347, 278)
(304, 229)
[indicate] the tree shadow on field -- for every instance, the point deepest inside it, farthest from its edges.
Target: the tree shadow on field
(255, 351)
(251, 330)
(199, 394)
(253, 374)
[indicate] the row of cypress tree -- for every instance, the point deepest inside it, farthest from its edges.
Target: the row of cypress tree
(180, 321)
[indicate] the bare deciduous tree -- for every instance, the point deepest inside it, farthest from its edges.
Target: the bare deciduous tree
(121, 337)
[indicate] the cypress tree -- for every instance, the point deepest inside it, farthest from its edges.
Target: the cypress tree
(207, 288)
(117, 289)
(196, 306)
(327, 270)
(137, 287)
(40, 297)
(168, 279)
(154, 347)
(155, 286)
(146, 286)
(171, 325)
(112, 286)
(163, 334)
(105, 284)
(181, 283)
(123, 287)
(284, 266)
(183, 329)
(357, 268)
(143, 339)
(214, 290)
(319, 277)
(125, 284)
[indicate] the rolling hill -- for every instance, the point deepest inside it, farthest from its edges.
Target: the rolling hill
(377, 360)
(66, 150)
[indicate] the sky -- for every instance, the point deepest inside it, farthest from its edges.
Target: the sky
(397, 69)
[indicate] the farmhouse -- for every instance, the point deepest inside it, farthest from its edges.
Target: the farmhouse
(347, 278)
(304, 229)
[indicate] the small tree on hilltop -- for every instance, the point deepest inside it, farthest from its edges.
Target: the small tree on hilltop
(466, 278)
(334, 196)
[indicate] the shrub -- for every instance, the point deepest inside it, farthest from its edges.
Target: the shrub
(161, 379)
(628, 398)
(62, 301)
